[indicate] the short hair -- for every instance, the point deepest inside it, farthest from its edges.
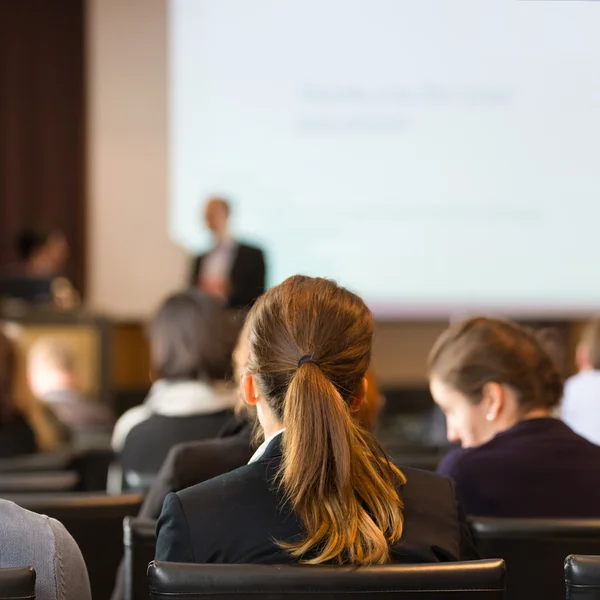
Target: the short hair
(52, 353)
(478, 351)
(191, 337)
(590, 338)
(30, 240)
(223, 203)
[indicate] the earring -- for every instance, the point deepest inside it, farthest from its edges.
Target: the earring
(490, 417)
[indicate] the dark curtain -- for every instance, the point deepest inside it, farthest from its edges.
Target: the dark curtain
(42, 124)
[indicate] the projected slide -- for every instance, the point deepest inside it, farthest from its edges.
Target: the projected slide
(435, 156)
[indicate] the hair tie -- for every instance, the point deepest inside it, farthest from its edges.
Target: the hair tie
(308, 358)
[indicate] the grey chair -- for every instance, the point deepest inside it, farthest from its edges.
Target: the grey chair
(477, 580)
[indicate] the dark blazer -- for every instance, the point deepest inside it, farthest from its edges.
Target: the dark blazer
(191, 463)
(247, 277)
(148, 443)
(236, 517)
(537, 468)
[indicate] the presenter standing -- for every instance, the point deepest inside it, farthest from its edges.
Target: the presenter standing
(232, 271)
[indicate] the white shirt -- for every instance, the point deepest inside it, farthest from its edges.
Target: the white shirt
(261, 449)
(219, 262)
(580, 408)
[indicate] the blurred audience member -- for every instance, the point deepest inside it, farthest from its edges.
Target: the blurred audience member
(580, 408)
(232, 271)
(191, 341)
(16, 435)
(39, 276)
(498, 386)
(318, 489)
(53, 378)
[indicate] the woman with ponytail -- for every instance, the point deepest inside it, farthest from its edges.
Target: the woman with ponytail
(318, 489)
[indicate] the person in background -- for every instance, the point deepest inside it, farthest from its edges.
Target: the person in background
(318, 489)
(43, 253)
(31, 539)
(191, 342)
(232, 271)
(580, 408)
(53, 379)
(16, 435)
(498, 387)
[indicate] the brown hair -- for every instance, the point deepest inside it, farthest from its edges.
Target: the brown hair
(8, 365)
(590, 338)
(333, 473)
(191, 337)
(472, 353)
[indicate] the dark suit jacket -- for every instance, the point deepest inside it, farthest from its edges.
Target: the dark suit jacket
(236, 517)
(247, 277)
(188, 464)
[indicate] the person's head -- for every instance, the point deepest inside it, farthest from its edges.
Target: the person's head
(8, 365)
(488, 374)
(44, 252)
(588, 349)
(309, 350)
(191, 338)
(216, 216)
(51, 366)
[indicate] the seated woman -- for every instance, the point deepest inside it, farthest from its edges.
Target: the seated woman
(191, 342)
(498, 387)
(319, 489)
(16, 434)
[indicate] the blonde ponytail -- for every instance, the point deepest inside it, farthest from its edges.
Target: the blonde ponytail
(344, 493)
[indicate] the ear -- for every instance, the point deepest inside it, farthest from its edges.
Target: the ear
(493, 397)
(250, 390)
(360, 396)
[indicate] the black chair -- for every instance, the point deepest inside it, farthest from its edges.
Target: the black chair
(17, 584)
(478, 580)
(582, 577)
(96, 523)
(139, 540)
(534, 551)
(43, 482)
(90, 465)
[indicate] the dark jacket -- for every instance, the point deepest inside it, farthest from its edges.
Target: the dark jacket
(537, 468)
(236, 517)
(16, 437)
(247, 277)
(191, 463)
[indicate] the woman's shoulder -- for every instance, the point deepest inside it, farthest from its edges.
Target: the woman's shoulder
(126, 422)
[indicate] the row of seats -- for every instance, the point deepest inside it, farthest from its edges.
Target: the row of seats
(533, 549)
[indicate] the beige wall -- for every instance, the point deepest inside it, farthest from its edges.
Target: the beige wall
(132, 262)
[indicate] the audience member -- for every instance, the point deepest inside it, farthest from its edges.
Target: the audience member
(498, 386)
(232, 271)
(43, 253)
(318, 489)
(191, 339)
(580, 408)
(34, 540)
(16, 435)
(53, 378)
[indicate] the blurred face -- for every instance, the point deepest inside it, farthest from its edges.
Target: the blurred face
(57, 250)
(466, 422)
(215, 217)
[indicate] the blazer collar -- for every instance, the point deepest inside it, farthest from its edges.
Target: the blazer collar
(274, 449)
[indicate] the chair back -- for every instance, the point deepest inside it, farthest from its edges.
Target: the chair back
(96, 523)
(139, 540)
(41, 482)
(582, 577)
(534, 551)
(477, 580)
(17, 584)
